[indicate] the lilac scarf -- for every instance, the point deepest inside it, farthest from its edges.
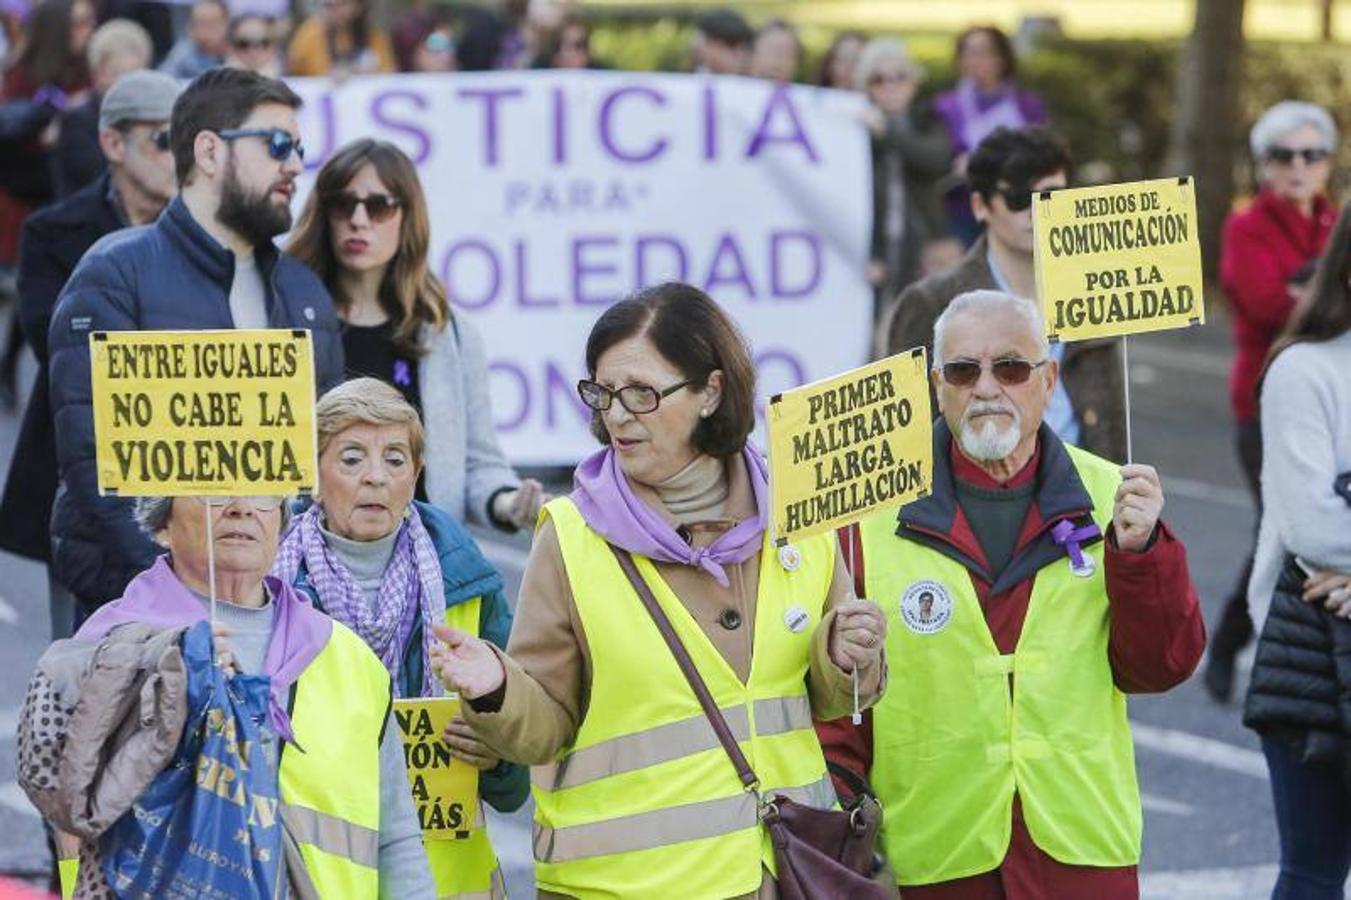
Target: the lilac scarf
(411, 590)
(607, 503)
(156, 597)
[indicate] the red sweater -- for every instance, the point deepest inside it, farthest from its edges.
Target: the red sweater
(1156, 639)
(1263, 246)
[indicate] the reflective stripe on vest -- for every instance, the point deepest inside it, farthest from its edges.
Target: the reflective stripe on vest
(645, 802)
(330, 779)
(954, 738)
(466, 868)
(669, 825)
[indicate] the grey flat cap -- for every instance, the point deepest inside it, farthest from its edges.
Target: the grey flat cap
(141, 96)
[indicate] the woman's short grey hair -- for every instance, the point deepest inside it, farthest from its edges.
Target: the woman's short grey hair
(985, 302)
(152, 513)
(878, 51)
(1287, 116)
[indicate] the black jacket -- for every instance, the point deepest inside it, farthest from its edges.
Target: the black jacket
(169, 276)
(52, 242)
(1301, 679)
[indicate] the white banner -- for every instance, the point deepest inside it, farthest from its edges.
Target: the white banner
(554, 194)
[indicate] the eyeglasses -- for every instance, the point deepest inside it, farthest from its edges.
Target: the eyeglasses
(636, 398)
(379, 207)
(161, 140)
(243, 43)
(258, 504)
(439, 42)
(1009, 371)
(280, 143)
(1286, 155)
(889, 78)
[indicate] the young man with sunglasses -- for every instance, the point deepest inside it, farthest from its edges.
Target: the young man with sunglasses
(1087, 408)
(207, 262)
(1028, 593)
(133, 132)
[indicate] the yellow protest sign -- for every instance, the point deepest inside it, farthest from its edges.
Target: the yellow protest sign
(184, 413)
(850, 445)
(445, 789)
(1118, 259)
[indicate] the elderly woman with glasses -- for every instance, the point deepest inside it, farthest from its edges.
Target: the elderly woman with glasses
(365, 231)
(634, 795)
(390, 568)
(337, 755)
(1266, 261)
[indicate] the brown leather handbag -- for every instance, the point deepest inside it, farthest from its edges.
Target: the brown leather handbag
(822, 854)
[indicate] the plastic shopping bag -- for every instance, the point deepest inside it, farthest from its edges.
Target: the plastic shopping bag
(208, 827)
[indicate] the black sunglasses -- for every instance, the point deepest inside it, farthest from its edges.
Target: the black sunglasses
(1009, 371)
(161, 140)
(280, 144)
(240, 43)
(1286, 155)
(379, 207)
(636, 398)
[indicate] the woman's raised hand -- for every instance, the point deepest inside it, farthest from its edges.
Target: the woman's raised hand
(466, 665)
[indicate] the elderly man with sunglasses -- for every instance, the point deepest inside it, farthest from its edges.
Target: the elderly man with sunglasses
(208, 262)
(1004, 171)
(1031, 591)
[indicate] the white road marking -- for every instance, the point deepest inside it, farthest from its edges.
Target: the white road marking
(1206, 492)
(1180, 359)
(8, 614)
(13, 797)
(1235, 883)
(1204, 750)
(1154, 803)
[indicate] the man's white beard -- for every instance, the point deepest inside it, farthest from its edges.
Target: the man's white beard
(989, 442)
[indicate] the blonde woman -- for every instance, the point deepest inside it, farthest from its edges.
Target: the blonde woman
(365, 231)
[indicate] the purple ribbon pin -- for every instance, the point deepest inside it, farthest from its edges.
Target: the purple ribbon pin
(1066, 535)
(403, 376)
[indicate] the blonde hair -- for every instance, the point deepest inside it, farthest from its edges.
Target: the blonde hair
(115, 38)
(367, 401)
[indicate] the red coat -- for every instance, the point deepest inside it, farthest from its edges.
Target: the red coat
(1156, 639)
(1263, 246)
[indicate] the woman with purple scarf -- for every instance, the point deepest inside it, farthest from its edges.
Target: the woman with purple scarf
(985, 98)
(350, 825)
(389, 568)
(634, 794)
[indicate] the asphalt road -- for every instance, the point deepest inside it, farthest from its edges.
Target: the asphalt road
(1208, 821)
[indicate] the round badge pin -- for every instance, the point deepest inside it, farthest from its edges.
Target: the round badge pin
(796, 619)
(926, 607)
(790, 557)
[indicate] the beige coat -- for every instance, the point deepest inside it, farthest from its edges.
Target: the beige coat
(548, 664)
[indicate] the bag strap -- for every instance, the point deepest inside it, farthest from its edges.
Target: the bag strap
(691, 672)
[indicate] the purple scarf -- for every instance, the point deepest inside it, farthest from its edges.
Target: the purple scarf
(411, 590)
(608, 504)
(156, 597)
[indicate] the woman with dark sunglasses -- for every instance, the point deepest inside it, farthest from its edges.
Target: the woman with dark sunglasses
(365, 231)
(1265, 248)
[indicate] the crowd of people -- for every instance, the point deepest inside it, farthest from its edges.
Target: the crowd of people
(673, 681)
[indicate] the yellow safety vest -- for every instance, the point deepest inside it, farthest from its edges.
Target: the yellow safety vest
(644, 802)
(330, 793)
(466, 869)
(953, 741)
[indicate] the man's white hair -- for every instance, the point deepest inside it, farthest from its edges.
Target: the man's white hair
(986, 302)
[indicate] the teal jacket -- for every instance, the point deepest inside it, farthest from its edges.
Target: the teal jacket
(466, 574)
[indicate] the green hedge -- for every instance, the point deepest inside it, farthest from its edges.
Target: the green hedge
(1113, 100)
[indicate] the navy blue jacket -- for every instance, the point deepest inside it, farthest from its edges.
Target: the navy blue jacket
(170, 276)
